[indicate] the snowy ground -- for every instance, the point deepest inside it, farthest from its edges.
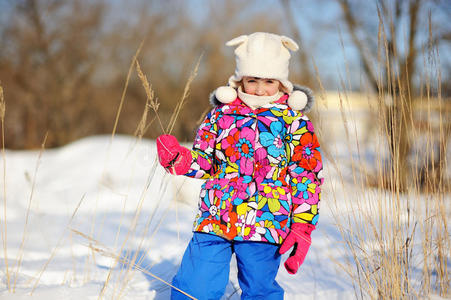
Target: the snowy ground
(128, 207)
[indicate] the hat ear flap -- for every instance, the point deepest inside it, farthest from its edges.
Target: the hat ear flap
(237, 41)
(289, 43)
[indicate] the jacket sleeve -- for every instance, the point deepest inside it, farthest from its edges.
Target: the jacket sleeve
(202, 165)
(305, 166)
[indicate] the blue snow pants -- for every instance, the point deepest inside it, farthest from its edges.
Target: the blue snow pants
(204, 271)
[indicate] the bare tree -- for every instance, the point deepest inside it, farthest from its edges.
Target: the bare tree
(306, 70)
(47, 67)
(389, 58)
(63, 64)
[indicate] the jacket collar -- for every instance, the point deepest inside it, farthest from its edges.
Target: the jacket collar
(239, 107)
(310, 99)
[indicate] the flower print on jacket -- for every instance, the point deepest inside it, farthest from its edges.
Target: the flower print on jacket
(262, 170)
(274, 199)
(307, 152)
(238, 146)
(273, 140)
(306, 187)
(207, 140)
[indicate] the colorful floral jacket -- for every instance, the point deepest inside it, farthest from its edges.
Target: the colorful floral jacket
(262, 170)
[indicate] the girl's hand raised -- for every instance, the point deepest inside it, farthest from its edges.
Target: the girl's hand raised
(174, 158)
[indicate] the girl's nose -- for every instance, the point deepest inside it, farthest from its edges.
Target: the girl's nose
(260, 89)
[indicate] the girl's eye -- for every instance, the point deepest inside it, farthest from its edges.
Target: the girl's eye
(270, 81)
(251, 80)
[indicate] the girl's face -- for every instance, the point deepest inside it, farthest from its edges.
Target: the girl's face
(260, 86)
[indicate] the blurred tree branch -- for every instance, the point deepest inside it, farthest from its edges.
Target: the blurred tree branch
(307, 77)
(391, 70)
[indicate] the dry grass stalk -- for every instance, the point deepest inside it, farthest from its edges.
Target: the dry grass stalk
(150, 102)
(154, 105)
(146, 237)
(58, 244)
(132, 227)
(5, 227)
(132, 64)
(132, 231)
(118, 113)
(391, 233)
(395, 233)
(2, 104)
(103, 250)
(127, 275)
(121, 103)
(394, 230)
(180, 104)
(25, 230)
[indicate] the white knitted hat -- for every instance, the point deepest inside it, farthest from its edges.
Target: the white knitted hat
(263, 55)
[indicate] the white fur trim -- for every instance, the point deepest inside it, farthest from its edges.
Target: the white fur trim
(297, 100)
(225, 94)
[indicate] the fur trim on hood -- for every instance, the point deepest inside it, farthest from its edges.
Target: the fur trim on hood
(300, 99)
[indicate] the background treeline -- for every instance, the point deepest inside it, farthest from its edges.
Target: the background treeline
(63, 64)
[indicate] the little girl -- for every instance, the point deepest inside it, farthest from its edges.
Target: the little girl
(261, 162)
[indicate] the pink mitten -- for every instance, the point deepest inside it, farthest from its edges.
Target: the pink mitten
(299, 237)
(174, 158)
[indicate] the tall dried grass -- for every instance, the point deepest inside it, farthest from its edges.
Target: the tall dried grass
(396, 237)
(105, 251)
(55, 249)
(126, 274)
(397, 241)
(5, 226)
(27, 218)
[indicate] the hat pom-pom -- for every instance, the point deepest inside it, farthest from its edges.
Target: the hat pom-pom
(297, 100)
(225, 94)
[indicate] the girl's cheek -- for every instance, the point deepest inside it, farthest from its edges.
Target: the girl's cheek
(249, 89)
(272, 89)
